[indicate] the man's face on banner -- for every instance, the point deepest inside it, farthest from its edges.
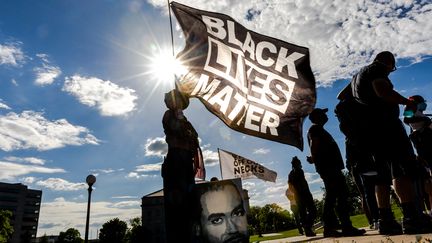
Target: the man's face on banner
(223, 218)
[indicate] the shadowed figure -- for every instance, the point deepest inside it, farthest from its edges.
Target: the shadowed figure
(177, 169)
(326, 156)
(303, 198)
(389, 144)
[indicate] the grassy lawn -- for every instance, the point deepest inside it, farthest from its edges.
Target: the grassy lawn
(357, 221)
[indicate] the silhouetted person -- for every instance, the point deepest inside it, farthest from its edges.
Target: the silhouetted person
(389, 143)
(294, 208)
(421, 137)
(359, 160)
(326, 156)
(177, 169)
(303, 197)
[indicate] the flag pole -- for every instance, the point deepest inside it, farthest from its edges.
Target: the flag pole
(220, 165)
(172, 41)
(170, 21)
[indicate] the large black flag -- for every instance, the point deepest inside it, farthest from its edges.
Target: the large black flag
(256, 84)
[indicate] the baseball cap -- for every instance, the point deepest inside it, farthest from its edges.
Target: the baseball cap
(316, 113)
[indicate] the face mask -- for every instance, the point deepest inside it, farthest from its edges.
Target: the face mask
(422, 106)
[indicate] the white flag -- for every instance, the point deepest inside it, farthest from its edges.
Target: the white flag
(236, 166)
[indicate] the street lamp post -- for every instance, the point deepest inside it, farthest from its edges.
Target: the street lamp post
(91, 179)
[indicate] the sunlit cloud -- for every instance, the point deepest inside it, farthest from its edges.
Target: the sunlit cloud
(211, 158)
(124, 197)
(28, 180)
(60, 214)
(313, 178)
(135, 175)
(261, 151)
(156, 147)
(11, 54)
(59, 184)
(126, 204)
(9, 170)
(31, 160)
(46, 74)
(109, 98)
(4, 106)
(148, 167)
(30, 130)
(342, 36)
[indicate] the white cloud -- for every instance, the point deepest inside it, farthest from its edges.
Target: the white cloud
(261, 151)
(342, 36)
(30, 130)
(156, 147)
(11, 54)
(135, 175)
(313, 178)
(58, 184)
(109, 98)
(211, 158)
(9, 171)
(47, 73)
(61, 214)
(148, 167)
(126, 204)
(31, 160)
(124, 197)
(28, 180)
(105, 171)
(4, 106)
(14, 82)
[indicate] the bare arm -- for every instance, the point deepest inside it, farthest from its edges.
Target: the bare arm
(386, 92)
(314, 145)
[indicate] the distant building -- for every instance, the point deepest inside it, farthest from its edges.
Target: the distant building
(153, 216)
(24, 204)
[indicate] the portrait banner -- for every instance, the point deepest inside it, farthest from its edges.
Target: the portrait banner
(223, 211)
(255, 84)
(236, 166)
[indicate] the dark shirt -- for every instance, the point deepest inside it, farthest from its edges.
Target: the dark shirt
(179, 132)
(364, 92)
(327, 157)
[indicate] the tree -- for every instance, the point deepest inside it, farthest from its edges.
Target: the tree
(270, 218)
(6, 230)
(70, 236)
(137, 233)
(113, 231)
(354, 198)
(44, 239)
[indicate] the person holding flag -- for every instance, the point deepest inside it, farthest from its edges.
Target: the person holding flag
(178, 168)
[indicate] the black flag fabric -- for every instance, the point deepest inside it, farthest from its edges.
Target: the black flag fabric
(255, 84)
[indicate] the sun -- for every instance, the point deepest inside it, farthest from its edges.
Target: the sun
(164, 67)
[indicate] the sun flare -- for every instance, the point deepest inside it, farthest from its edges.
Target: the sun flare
(164, 67)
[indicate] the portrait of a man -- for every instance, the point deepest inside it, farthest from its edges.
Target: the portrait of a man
(221, 215)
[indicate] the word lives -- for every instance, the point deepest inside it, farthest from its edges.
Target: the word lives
(249, 80)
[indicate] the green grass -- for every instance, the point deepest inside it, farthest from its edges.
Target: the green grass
(357, 221)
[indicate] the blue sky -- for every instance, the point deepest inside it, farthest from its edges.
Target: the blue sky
(78, 93)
